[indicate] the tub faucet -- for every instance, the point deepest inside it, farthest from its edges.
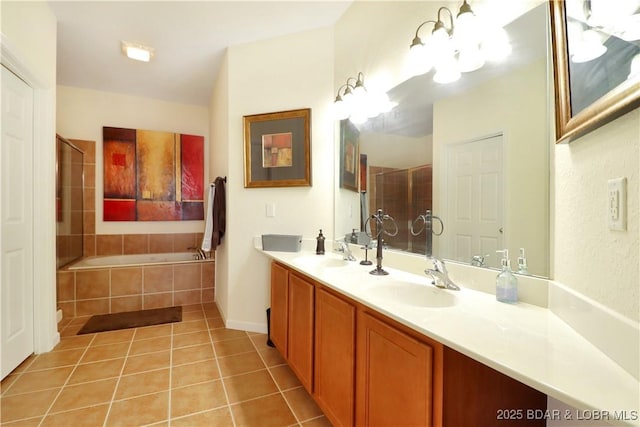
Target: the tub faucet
(343, 247)
(199, 253)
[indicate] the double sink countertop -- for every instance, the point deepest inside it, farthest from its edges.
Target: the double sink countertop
(524, 341)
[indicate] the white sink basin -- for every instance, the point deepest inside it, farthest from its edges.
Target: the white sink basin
(412, 294)
(320, 261)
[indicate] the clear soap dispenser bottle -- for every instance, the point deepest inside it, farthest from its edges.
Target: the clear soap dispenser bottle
(506, 281)
(522, 263)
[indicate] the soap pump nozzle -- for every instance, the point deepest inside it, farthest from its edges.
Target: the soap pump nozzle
(522, 263)
(505, 261)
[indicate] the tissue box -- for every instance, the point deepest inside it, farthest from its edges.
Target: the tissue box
(281, 242)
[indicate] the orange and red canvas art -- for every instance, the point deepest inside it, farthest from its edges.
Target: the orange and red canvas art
(152, 175)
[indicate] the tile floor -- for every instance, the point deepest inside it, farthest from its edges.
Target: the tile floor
(192, 373)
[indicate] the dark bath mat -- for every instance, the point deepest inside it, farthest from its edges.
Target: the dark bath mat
(131, 319)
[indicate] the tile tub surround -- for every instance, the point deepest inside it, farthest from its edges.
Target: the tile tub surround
(118, 289)
(192, 373)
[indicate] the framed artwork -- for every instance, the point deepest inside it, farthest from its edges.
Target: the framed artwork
(152, 175)
(349, 155)
(277, 149)
(590, 91)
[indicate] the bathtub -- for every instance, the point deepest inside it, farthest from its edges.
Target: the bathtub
(111, 261)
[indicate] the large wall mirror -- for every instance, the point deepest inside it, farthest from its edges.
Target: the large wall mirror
(475, 152)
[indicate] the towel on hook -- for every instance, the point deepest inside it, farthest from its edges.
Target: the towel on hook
(208, 228)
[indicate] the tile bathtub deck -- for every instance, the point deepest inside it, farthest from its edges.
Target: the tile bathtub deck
(192, 373)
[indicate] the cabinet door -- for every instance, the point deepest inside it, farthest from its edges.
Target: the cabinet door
(300, 340)
(335, 357)
(279, 307)
(394, 376)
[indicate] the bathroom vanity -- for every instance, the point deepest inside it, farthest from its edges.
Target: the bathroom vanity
(395, 350)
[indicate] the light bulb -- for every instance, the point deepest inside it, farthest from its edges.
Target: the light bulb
(496, 46)
(340, 109)
(470, 58)
(447, 71)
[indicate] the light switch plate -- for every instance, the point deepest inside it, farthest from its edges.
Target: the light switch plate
(270, 210)
(617, 204)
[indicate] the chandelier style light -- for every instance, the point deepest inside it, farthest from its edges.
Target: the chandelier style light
(356, 103)
(457, 45)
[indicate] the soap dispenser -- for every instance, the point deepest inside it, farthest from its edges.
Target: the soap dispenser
(506, 281)
(320, 244)
(522, 263)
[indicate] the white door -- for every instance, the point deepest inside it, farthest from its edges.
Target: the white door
(16, 209)
(473, 217)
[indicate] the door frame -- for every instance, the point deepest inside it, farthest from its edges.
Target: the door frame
(46, 334)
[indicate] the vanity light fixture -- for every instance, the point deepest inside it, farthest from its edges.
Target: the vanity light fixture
(137, 51)
(456, 46)
(356, 103)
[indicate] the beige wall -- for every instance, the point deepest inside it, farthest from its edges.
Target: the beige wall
(591, 259)
(285, 73)
(81, 114)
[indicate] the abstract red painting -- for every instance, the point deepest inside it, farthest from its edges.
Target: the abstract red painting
(152, 175)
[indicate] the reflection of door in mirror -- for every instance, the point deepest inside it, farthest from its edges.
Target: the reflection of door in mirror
(404, 194)
(472, 200)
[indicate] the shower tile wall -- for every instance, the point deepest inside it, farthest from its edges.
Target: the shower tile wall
(89, 189)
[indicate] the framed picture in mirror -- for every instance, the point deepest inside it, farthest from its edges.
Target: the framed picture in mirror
(277, 149)
(596, 64)
(349, 155)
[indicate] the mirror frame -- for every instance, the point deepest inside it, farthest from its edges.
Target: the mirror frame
(620, 100)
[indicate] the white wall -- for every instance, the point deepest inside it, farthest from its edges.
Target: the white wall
(591, 259)
(286, 73)
(490, 108)
(396, 151)
(83, 112)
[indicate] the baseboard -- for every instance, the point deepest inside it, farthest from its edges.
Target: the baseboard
(260, 328)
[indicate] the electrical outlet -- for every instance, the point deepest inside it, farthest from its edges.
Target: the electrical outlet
(617, 204)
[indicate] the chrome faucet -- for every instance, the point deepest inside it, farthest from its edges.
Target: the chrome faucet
(343, 247)
(199, 253)
(439, 274)
(380, 218)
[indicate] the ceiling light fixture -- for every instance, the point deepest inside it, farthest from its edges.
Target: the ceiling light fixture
(456, 46)
(137, 51)
(356, 103)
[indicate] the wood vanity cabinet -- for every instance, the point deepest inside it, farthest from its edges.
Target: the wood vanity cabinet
(335, 336)
(366, 369)
(398, 376)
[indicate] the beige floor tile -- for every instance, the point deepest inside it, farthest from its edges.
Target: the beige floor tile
(7, 382)
(240, 364)
(128, 412)
(216, 323)
(83, 395)
(26, 405)
(192, 315)
(249, 386)
(230, 347)
(192, 354)
(40, 380)
(25, 364)
(112, 337)
(152, 332)
(226, 334)
(193, 373)
(144, 383)
(259, 340)
(191, 339)
(31, 422)
(302, 404)
(197, 398)
(97, 371)
(147, 362)
(211, 311)
(284, 377)
(78, 341)
(71, 330)
(191, 326)
(192, 307)
(266, 411)
(218, 417)
(105, 352)
(56, 359)
(317, 422)
(272, 357)
(150, 346)
(92, 416)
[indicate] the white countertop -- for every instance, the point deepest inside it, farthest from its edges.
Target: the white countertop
(524, 341)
